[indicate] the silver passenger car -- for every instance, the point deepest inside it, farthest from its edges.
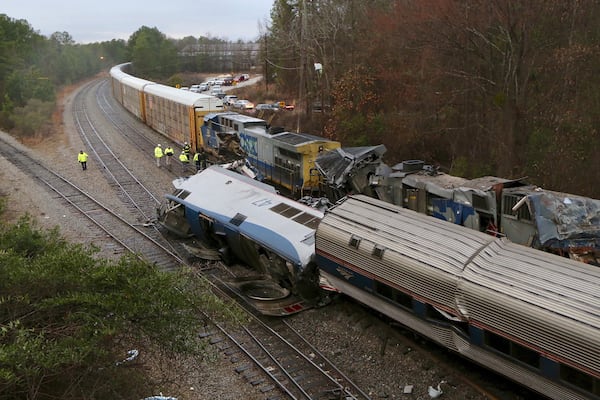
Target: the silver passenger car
(529, 315)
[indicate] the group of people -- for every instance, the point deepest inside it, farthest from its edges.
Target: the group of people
(199, 158)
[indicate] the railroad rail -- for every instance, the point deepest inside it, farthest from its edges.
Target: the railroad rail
(280, 359)
(124, 236)
(130, 189)
(128, 128)
(268, 352)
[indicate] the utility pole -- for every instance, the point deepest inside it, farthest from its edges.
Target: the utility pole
(266, 72)
(301, 94)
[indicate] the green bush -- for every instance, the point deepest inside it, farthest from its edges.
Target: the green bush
(68, 316)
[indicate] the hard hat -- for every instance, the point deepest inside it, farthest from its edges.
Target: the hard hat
(159, 145)
(185, 142)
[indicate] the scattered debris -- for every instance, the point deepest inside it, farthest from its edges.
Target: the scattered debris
(434, 393)
(131, 355)
(160, 397)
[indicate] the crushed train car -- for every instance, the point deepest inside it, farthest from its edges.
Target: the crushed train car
(560, 223)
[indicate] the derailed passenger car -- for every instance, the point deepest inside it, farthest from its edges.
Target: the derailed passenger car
(529, 315)
(247, 220)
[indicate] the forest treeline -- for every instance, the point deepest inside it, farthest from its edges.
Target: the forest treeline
(505, 88)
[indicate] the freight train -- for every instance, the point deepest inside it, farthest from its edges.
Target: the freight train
(529, 315)
(286, 159)
(175, 113)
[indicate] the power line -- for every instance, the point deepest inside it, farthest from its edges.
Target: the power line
(281, 67)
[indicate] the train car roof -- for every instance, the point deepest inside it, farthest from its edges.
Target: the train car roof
(118, 70)
(184, 97)
(498, 282)
(242, 118)
(298, 139)
(117, 73)
(136, 83)
(255, 209)
(417, 237)
(515, 266)
(215, 115)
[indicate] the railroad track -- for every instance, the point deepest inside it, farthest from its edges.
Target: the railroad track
(110, 229)
(133, 132)
(276, 359)
(268, 352)
(141, 200)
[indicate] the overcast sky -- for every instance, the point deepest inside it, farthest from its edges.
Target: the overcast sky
(90, 21)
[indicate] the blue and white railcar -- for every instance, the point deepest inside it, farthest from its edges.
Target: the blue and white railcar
(248, 220)
(220, 130)
(529, 315)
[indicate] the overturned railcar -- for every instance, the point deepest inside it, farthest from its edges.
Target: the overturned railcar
(249, 221)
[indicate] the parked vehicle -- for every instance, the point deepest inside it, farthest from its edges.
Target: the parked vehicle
(267, 107)
(282, 105)
(229, 99)
(243, 104)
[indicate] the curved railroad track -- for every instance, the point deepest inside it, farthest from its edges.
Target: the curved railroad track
(282, 360)
(107, 228)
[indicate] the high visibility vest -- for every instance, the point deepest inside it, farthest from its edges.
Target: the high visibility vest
(82, 157)
(169, 151)
(184, 158)
(158, 153)
(196, 158)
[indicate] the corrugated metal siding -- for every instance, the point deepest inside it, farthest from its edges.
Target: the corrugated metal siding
(540, 299)
(422, 256)
(548, 301)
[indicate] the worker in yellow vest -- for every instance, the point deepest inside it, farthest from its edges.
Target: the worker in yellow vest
(158, 154)
(82, 158)
(185, 160)
(187, 149)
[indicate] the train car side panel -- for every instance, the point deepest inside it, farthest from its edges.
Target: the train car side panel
(529, 315)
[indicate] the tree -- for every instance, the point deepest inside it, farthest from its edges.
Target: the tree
(152, 54)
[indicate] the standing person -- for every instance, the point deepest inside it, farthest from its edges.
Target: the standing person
(158, 154)
(82, 158)
(187, 149)
(200, 160)
(185, 160)
(197, 161)
(169, 154)
(203, 157)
